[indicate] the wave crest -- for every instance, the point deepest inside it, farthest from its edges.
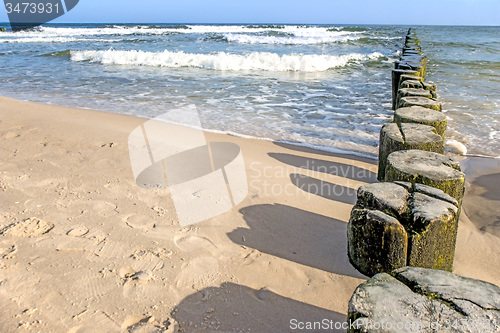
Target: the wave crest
(256, 61)
(288, 40)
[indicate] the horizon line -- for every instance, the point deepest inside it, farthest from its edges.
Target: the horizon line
(273, 23)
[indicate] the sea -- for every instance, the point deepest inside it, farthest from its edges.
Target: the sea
(322, 86)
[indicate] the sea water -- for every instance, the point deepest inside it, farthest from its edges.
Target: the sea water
(326, 86)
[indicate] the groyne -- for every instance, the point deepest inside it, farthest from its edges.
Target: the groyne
(411, 217)
(402, 231)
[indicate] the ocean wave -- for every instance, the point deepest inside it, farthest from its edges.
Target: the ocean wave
(47, 32)
(118, 30)
(256, 61)
(296, 30)
(182, 26)
(372, 40)
(266, 26)
(352, 29)
(289, 39)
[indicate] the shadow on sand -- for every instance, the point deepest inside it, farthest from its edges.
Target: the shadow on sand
(236, 308)
(324, 189)
(297, 235)
(302, 149)
(481, 203)
(327, 167)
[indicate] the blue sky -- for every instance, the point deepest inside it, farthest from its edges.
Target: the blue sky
(437, 12)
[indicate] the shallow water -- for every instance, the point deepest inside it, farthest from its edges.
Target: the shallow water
(326, 86)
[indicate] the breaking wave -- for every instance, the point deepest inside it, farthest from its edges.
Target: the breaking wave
(255, 61)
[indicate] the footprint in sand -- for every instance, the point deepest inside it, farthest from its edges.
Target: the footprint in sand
(148, 324)
(149, 254)
(52, 183)
(198, 273)
(30, 227)
(143, 276)
(33, 204)
(92, 241)
(141, 222)
(95, 287)
(141, 284)
(77, 244)
(189, 243)
(103, 208)
(78, 231)
(128, 273)
(150, 259)
(11, 135)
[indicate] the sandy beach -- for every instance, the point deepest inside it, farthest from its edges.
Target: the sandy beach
(84, 249)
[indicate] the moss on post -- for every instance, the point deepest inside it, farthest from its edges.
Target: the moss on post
(433, 245)
(415, 66)
(420, 221)
(414, 84)
(428, 168)
(394, 137)
(377, 242)
(414, 299)
(429, 86)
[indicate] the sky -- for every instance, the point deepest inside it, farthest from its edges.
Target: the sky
(436, 12)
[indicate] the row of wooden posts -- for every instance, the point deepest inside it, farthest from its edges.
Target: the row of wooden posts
(411, 217)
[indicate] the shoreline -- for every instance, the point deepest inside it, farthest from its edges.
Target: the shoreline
(116, 256)
(306, 145)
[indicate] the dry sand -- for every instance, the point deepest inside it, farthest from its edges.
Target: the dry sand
(84, 249)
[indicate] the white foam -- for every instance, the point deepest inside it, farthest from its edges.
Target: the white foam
(299, 31)
(293, 35)
(456, 147)
(255, 61)
(75, 32)
(292, 40)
